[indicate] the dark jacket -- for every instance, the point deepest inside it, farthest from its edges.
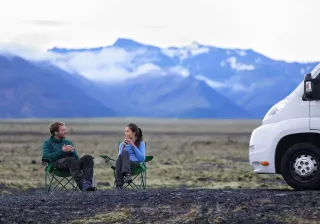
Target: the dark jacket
(52, 149)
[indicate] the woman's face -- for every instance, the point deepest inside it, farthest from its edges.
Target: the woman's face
(128, 133)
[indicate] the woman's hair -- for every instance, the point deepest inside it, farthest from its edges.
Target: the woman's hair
(135, 129)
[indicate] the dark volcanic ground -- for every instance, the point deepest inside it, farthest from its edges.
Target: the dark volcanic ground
(162, 206)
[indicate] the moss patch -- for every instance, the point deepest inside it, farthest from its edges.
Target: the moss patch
(109, 217)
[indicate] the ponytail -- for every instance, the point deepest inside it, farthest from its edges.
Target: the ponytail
(139, 137)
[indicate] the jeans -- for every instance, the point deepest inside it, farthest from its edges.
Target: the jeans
(124, 166)
(81, 169)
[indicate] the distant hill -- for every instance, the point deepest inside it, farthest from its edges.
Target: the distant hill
(28, 90)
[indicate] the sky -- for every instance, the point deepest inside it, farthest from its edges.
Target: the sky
(280, 29)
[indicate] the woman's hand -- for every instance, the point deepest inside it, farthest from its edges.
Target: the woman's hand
(130, 142)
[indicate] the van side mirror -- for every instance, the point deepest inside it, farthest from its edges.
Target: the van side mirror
(311, 88)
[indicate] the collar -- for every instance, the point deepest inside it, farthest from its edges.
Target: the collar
(56, 140)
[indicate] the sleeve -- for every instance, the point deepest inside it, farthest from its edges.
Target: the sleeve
(74, 154)
(120, 146)
(140, 152)
(53, 156)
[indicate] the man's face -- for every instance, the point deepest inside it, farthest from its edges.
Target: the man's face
(62, 132)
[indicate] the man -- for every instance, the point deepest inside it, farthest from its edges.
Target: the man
(64, 156)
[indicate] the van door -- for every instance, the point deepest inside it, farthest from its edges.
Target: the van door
(314, 107)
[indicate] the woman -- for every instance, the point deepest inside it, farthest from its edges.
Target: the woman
(131, 154)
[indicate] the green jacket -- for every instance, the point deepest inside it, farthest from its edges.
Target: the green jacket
(52, 149)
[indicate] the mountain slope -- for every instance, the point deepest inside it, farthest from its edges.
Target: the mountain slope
(29, 90)
(172, 96)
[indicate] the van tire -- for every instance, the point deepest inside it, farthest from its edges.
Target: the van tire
(310, 160)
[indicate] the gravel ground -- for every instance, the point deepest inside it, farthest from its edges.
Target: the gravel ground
(162, 206)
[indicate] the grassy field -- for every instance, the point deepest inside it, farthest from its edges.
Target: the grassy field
(187, 153)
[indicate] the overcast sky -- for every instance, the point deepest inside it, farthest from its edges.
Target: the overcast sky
(281, 29)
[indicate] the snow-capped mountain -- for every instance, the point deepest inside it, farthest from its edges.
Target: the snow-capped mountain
(247, 78)
(129, 78)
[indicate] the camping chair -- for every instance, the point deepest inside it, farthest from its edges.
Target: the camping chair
(62, 178)
(136, 172)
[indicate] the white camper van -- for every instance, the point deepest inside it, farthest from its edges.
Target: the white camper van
(288, 141)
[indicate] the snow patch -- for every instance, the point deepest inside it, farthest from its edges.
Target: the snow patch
(195, 49)
(173, 52)
(239, 66)
(180, 70)
(186, 52)
(241, 53)
(236, 87)
(209, 82)
(257, 60)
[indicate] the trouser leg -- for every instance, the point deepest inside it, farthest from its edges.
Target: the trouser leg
(72, 165)
(122, 167)
(86, 165)
(119, 176)
(125, 162)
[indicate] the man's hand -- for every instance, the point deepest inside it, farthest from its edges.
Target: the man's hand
(71, 148)
(68, 148)
(65, 148)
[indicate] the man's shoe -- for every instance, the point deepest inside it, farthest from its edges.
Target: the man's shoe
(127, 178)
(86, 186)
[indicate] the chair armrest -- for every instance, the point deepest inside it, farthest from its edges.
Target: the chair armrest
(148, 159)
(46, 161)
(108, 160)
(106, 157)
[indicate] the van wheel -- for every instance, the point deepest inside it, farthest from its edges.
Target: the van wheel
(300, 166)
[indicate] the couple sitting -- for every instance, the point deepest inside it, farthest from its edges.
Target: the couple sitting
(64, 156)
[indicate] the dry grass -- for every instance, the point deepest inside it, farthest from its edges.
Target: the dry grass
(197, 154)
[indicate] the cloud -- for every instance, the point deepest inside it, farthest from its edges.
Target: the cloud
(45, 23)
(28, 52)
(109, 64)
(106, 65)
(146, 68)
(216, 23)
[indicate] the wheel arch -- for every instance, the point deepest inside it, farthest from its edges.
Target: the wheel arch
(289, 140)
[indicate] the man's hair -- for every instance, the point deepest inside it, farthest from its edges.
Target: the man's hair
(54, 127)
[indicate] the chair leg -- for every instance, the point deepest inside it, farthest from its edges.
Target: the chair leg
(55, 182)
(45, 181)
(114, 182)
(143, 179)
(142, 182)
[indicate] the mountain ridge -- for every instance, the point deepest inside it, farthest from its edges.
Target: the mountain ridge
(193, 81)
